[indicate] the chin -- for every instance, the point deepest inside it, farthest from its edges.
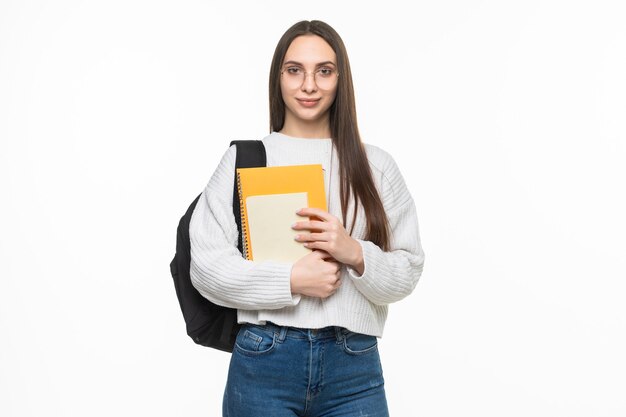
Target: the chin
(307, 116)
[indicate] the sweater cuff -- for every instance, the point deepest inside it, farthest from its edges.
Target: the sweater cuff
(353, 272)
(288, 298)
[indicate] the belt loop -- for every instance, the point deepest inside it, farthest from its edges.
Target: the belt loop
(282, 334)
(338, 334)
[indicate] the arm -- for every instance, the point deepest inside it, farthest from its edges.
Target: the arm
(382, 277)
(218, 271)
(386, 277)
(390, 276)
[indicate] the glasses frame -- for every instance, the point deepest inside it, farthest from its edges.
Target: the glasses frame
(306, 73)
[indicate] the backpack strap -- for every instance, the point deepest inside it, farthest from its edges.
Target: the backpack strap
(250, 154)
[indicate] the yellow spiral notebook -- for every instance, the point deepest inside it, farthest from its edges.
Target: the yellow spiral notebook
(269, 198)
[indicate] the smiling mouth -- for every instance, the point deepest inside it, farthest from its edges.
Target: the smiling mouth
(308, 103)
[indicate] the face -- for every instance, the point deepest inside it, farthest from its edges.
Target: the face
(308, 100)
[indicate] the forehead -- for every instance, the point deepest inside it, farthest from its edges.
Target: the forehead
(309, 49)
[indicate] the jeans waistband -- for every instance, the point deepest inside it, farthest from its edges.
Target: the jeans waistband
(300, 333)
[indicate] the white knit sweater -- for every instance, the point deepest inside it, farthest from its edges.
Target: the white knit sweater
(261, 290)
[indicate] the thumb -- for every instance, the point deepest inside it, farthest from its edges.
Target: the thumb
(321, 254)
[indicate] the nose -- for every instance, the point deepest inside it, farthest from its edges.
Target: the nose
(308, 84)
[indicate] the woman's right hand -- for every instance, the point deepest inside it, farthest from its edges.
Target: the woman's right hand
(316, 274)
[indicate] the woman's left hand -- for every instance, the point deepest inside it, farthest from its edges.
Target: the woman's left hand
(329, 235)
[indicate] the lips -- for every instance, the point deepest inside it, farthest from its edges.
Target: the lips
(308, 102)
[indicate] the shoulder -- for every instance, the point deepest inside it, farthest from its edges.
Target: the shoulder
(387, 174)
(228, 156)
(223, 177)
(380, 160)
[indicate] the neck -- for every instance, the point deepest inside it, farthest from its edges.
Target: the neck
(306, 129)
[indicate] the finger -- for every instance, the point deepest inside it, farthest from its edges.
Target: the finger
(314, 245)
(335, 265)
(332, 260)
(321, 254)
(310, 225)
(311, 237)
(312, 211)
(319, 245)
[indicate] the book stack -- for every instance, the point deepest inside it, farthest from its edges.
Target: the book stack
(269, 198)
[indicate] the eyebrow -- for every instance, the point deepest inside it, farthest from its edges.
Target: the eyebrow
(317, 65)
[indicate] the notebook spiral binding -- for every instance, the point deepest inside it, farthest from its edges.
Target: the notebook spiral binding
(244, 222)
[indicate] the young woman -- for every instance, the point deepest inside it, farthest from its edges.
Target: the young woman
(308, 346)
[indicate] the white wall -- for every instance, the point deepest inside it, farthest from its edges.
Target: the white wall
(506, 118)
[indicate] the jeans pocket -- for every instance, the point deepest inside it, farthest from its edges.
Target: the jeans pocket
(255, 340)
(359, 344)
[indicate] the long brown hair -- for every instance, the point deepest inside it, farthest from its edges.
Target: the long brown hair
(355, 173)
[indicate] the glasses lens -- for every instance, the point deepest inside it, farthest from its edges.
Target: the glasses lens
(325, 77)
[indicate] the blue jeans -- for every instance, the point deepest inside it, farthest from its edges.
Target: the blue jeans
(278, 371)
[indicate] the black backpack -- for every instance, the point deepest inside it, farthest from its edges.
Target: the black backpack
(210, 324)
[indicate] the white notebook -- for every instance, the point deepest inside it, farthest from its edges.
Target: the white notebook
(270, 218)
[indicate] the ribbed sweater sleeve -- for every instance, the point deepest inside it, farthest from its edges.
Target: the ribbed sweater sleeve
(218, 271)
(390, 276)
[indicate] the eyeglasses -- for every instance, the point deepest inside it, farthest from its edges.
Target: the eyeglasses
(325, 77)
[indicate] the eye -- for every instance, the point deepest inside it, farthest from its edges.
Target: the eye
(293, 70)
(325, 71)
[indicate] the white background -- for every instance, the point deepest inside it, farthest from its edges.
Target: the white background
(507, 120)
